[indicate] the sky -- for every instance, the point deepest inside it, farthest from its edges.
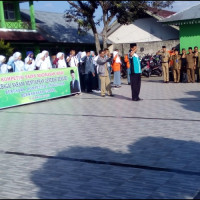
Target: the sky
(61, 6)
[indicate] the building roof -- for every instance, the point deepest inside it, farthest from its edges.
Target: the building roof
(21, 36)
(192, 13)
(151, 12)
(161, 13)
(53, 27)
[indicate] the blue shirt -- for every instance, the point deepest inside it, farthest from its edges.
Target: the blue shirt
(135, 66)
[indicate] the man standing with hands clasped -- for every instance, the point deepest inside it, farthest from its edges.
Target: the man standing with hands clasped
(135, 72)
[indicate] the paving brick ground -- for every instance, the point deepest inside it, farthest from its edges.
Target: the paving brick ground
(162, 132)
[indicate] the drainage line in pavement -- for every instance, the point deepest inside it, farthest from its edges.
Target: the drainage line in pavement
(108, 116)
(178, 171)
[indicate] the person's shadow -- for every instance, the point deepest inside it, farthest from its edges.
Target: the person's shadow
(151, 168)
(192, 103)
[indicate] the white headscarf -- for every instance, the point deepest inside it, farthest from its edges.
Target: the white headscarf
(61, 63)
(59, 54)
(19, 64)
(83, 55)
(38, 60)
(3, 67)
(79, 55)
(42, 64)
(16, 55)
(118, 58)
(47, 59)
(2, 59)
(29, 67)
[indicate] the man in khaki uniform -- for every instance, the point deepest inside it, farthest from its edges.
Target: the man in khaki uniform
(176, 66)
(191, 65)
(165, 63)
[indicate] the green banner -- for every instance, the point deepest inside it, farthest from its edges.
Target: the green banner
(28, 87)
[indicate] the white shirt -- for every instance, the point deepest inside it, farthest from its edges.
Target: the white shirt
(62, 63)
(73, 61)
(44, 65)
(19, 66)
(29, 67)
(95, 63)
(48, 62)
(4, 68)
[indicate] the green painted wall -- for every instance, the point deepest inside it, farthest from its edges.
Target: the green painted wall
(189, 36)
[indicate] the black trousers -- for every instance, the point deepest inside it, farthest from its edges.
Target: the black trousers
(135, 85)
(89, 79)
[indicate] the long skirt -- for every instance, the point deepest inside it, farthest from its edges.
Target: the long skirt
(117, 78)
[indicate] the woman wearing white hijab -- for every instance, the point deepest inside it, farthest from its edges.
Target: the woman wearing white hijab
(116, 67)
(40, 62)
(47, 59)
(19, 64)
(3, 67)
(29, 61)
(61, 61)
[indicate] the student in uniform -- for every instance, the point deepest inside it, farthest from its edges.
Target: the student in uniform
(47, 59)
(61, 60)
(3, 67)
(19, 64)
(29, 61)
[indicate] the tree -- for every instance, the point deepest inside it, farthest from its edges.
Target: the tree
(5, 49)
(83, 12)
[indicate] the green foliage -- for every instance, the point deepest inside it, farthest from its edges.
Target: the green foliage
(83, 13)
(5, 49)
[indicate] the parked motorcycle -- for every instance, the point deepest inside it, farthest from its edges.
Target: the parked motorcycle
(145, 65)
(156, 65)
(151, 65)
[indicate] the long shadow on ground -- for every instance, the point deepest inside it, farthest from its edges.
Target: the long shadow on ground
(153, 167)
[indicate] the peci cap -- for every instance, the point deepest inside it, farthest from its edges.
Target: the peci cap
(133, 45)
(163, 46)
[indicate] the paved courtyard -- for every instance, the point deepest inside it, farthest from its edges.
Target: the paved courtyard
(91, 147)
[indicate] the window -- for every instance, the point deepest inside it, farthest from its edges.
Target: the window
(9, 11)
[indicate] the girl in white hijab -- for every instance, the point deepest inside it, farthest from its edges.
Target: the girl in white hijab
(47, 59)
(3, 67)
(19, 64)
(61, 61)
(40, 62)
(29, 61)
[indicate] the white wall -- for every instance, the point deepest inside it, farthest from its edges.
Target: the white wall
(143, 30)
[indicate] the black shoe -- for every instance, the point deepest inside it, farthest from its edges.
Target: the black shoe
(111, 95)
(103, 95)
(138, 99)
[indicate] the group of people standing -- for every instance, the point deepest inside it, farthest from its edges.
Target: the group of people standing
(94, 70)
(133, 70)
(184, 65)
(16, 64)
